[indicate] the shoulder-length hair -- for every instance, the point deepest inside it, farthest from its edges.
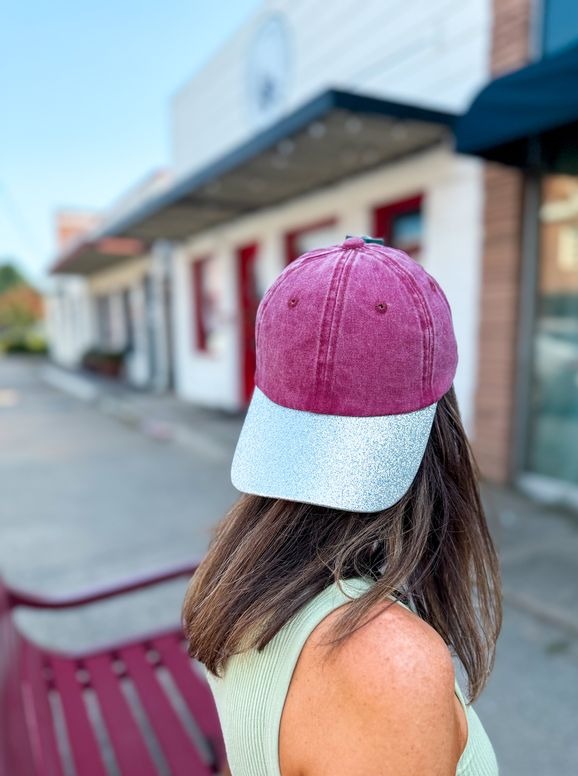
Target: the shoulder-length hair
(432, 549)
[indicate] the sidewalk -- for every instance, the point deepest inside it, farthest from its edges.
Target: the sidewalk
(203, 431)
(538, 548)
(538, 545)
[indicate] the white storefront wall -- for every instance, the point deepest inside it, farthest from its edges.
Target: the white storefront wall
(451, 252)
(128, 276)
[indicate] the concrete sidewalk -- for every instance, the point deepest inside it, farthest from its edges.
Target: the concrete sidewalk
(538, 546)
(211, 433)
(539, 556)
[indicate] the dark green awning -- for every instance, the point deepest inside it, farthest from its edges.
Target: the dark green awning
(528, 118)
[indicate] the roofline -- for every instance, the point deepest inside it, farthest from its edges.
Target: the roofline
(311, 111)
(107, 245)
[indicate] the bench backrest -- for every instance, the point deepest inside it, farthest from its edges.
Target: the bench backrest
(139, 708)
(16, 755)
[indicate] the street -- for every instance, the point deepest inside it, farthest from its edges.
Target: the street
(89, 499)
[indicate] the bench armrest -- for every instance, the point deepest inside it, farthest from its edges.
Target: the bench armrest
(20, 597)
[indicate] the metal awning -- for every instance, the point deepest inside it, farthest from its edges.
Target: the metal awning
(334, 136)
(528, 118)
(92, 255)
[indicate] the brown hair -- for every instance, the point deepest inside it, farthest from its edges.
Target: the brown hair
(268, 557)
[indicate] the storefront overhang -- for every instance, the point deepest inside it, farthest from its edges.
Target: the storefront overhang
(334, 136)
(92, 255)
(528, 118)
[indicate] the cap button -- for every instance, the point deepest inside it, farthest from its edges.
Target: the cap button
(353, 242)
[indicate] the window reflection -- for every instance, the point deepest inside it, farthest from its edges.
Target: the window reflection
(406, 233)
(554, 398)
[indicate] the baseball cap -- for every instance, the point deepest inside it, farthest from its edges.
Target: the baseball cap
(354, 348)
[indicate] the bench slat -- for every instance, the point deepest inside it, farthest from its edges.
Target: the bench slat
(131, 751)
(85, 749)
(194, 690)
(179, 750)
(39, 717)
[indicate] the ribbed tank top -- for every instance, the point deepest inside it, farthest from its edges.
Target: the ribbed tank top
(251, 694)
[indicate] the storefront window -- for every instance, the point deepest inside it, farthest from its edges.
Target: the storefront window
(406, 232)
(400, 224)
(554, 399)
(560, 25)
(207, 292)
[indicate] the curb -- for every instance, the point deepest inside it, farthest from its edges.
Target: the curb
(72, 384)
(118, 408)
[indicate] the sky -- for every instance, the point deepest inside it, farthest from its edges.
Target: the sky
(85, 91)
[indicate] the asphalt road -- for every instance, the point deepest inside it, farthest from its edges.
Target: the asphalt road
(87, 499)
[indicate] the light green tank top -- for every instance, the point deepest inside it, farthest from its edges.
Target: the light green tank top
(251, 694)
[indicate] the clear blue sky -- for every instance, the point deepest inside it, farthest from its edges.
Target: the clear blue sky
(84, 96)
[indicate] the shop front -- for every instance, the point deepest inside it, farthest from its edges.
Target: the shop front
(113, 315)
(552, 450)
(528, 120)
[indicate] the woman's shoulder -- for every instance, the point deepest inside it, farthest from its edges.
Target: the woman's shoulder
(394, 650)
(390, 684)
(393, 639)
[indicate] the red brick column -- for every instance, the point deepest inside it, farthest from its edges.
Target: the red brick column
(502, 257)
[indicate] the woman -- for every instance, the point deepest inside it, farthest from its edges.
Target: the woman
(358, 560)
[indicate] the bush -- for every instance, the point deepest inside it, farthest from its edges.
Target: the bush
(27, 343)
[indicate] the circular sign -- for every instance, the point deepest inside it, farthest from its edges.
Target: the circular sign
(269, 69)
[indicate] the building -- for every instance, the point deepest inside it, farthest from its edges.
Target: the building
(110, 296)
(305, 127)
(524, 122)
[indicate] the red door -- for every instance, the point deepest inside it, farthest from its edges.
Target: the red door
(249, 299)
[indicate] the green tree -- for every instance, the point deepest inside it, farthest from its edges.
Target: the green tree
(10, 276)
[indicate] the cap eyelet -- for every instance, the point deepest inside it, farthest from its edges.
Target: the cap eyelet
(292, 302)
(381, 307)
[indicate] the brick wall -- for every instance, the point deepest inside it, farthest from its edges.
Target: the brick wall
(510, 35)
(495, 395)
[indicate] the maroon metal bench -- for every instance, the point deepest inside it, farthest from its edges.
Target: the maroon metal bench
(139, 708)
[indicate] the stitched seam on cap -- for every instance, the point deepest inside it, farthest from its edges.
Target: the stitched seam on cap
(335, 315)
(427, 366)
(331, 298)
(331, 346)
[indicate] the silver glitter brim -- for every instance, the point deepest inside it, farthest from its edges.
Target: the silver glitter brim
(357, 464)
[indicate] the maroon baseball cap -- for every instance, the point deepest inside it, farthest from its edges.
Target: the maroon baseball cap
(355, 346)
